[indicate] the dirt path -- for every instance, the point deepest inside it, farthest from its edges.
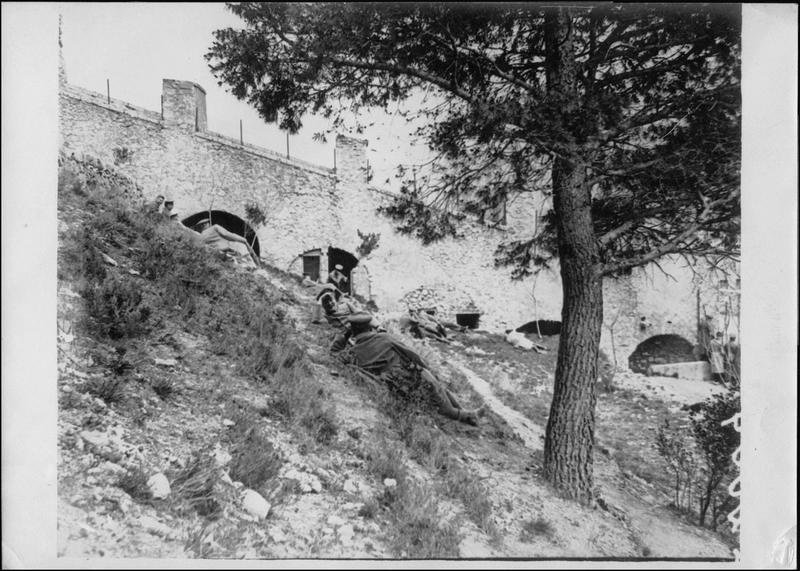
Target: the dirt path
(532, 435)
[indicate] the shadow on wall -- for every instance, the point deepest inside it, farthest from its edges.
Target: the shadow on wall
(230, 222)
(660, 349)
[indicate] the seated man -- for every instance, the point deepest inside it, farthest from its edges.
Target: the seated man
(224, 240)
(401, 368)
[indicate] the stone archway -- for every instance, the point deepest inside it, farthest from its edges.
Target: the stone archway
(659, 350)
(230, 222)
(343, 258)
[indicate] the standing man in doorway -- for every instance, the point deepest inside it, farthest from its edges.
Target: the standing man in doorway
(337, 278)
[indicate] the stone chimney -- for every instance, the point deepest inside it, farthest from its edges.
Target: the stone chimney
(183, 103)
(351, 160)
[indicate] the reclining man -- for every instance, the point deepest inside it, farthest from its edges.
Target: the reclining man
(405, 372)
(336, 311)
(423, 324)
(218, 237)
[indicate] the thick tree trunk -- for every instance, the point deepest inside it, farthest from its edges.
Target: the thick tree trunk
(570, 429)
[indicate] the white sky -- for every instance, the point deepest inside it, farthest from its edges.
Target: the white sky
(136, 45)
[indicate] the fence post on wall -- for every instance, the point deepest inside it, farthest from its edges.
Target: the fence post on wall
(196, 112)
(334, 159)
(241, 134)
(287, 144)
(108, 91)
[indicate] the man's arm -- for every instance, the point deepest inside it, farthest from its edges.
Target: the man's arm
(228, 235)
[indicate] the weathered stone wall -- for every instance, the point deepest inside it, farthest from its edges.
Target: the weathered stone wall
(307, 206)
(201, 170)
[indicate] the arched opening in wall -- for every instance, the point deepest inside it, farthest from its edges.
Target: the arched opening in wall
(347, 261)
(658, 350)
(230, 222)
(541, 326)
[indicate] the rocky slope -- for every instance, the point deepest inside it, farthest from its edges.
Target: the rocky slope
(172, 445)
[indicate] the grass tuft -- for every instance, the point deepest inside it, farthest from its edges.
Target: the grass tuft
(111, 390)
(537, 527)
(255, 460)
(134, 482)
(164, 387)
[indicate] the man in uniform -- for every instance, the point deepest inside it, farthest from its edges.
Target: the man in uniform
(405, 372)
(337, 278)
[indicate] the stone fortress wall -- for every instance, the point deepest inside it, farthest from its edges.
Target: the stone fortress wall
(308, 207)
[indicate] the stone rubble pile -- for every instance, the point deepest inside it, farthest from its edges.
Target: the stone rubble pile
(447, 299)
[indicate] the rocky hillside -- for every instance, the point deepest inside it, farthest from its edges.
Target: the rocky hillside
(201, 416)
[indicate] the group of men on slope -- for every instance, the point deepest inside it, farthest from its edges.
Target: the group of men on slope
(384, 356)
(212, 235)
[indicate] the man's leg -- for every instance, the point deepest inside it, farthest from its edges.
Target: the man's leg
(448, 405)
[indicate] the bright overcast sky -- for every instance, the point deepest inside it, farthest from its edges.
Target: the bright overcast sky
(135, 46)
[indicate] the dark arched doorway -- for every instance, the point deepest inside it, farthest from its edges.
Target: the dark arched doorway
(345, 259)
(658, 350)
(230, 222)
(541, 327)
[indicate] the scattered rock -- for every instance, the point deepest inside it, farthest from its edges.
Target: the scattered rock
(335, 521)
(85, 530)
(351, 487)
(307, 482)
(277, 535)
(154, 526)
(166, 362)
(221, 457)
(346, 534)
(95, 439)
(227, 422)
(77, 500)
(108, 259)
(122, 500)
(254, 504)
(158, 486)
(390, 483)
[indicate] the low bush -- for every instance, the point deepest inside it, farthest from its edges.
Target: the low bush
(116, 309)
(79, 257)
(164, 387)
(461, 484)
(134, 483)
(417, 527)
(195, 486)
(606, 371)
(255, 461)
(536, 527)
(111, 390)
(385, 460)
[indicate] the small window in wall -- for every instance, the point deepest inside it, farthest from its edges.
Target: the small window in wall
(311, 264)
